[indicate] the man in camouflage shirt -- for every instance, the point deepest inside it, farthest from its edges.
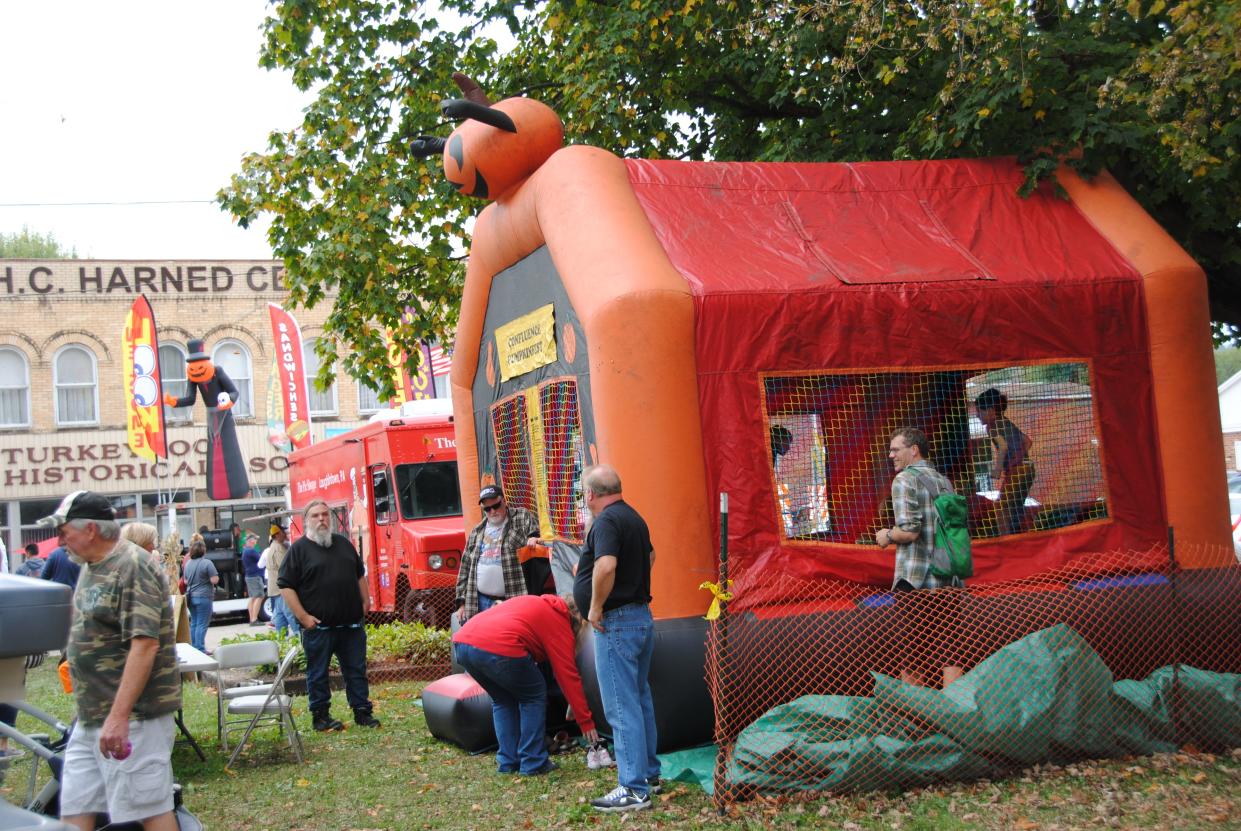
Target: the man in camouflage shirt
(913, 508)
(123, 663)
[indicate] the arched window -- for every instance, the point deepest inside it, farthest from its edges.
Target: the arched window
(233, 357)
(368, 399)
(172, 376)
(14, 388)
(77, 389)
(321, 403)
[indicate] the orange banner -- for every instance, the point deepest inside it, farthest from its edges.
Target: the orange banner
(144, 418)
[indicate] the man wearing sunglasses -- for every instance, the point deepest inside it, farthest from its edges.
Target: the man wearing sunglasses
(502, 557)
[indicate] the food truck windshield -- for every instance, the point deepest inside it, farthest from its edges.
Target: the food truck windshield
(428, 490)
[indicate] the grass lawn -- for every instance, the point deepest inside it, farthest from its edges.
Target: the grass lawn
(399, 777)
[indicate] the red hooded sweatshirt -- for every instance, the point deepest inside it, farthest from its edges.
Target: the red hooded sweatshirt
(538, 626)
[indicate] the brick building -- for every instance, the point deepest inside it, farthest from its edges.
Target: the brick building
(62, 410)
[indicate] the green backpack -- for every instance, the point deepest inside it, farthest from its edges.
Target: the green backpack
(952, 557)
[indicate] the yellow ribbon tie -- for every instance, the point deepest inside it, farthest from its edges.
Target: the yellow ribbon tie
(718, 594)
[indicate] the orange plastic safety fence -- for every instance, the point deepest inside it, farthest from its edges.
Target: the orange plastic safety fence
(830, 686)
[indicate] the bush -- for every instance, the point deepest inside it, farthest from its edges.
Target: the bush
(396, 642)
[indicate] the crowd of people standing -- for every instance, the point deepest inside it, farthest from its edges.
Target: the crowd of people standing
(124, 671)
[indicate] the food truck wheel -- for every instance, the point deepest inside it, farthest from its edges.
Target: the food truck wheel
(416, 607)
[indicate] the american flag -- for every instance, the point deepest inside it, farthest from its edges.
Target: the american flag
(441, 360)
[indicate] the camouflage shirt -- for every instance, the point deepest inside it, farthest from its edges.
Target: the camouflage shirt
(121, 597)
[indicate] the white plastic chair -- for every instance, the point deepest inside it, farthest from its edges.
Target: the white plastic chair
(239, 656)
(273, 705)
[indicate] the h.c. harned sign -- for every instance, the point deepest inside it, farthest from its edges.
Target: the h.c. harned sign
(108, 278)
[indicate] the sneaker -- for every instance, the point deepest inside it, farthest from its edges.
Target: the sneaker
(597, 757)
(654, 785)
(547, 768)
(365, 719)
(256, 623)
(324, 723)
(621, 799)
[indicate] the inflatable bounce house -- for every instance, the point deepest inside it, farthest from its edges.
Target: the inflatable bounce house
(760, 330)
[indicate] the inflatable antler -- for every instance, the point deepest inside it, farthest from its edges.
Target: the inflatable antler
(485, 156)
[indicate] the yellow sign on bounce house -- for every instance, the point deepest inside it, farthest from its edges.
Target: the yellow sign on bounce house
(527, 343)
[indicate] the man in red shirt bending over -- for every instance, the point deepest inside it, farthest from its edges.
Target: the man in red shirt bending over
(501, 649)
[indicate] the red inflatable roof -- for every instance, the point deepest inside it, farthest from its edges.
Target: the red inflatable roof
(755, 227)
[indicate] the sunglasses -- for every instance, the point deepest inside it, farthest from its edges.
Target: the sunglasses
(495, 506)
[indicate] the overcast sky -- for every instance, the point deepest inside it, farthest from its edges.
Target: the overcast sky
(134, 101)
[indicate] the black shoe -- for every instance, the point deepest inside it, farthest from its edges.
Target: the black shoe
(547, 768)
(621, 799)
(324, 723)
(364, 718)
(654, 785)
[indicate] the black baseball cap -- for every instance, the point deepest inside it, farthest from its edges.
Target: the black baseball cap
(80, 505)
(490, 492)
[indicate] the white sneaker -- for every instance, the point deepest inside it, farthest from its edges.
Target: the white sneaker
(597, 757)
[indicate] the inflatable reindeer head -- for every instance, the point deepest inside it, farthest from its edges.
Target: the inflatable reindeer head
(497, 145)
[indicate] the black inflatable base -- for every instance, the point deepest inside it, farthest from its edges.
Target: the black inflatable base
(458, 710)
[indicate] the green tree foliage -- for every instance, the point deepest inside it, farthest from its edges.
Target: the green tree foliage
(25, 245)
(1227, 363)
(1149, 89)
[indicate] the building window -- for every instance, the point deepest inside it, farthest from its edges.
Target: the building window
(233, 357)
(77, 390)
(368, 399)
(172, 377)
(14, 389)
(321, 403)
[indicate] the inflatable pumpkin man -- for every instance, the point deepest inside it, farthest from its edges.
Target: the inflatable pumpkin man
(226, 471)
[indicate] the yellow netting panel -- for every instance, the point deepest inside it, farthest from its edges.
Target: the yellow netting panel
(823, 686)
(562, 432)
(540, 456)
(508, 424)
(1028, 460)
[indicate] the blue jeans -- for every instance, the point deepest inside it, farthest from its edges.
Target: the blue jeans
(282, 618)
(348, 644)
(518, 705)
(200, 619)
(485, 602)
(622, 663)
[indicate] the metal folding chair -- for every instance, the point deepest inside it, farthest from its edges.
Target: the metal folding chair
(239, 656)
(274, 705)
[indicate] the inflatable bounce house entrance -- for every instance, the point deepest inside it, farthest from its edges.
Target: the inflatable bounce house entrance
(761, 330)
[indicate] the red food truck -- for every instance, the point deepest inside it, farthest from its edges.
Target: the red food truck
(392, 487)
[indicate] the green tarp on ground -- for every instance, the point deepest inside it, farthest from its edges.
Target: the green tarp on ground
(1046, 698)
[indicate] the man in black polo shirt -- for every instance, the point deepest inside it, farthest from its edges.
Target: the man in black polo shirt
(613, 582)
(324, 584)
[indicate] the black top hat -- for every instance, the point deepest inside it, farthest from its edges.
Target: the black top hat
(196, 352)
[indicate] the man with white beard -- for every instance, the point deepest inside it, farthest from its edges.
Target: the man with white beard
(502, 557)
(324, 585)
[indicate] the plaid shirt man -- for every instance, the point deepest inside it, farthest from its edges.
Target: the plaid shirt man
(521, 525)
(914, 511)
